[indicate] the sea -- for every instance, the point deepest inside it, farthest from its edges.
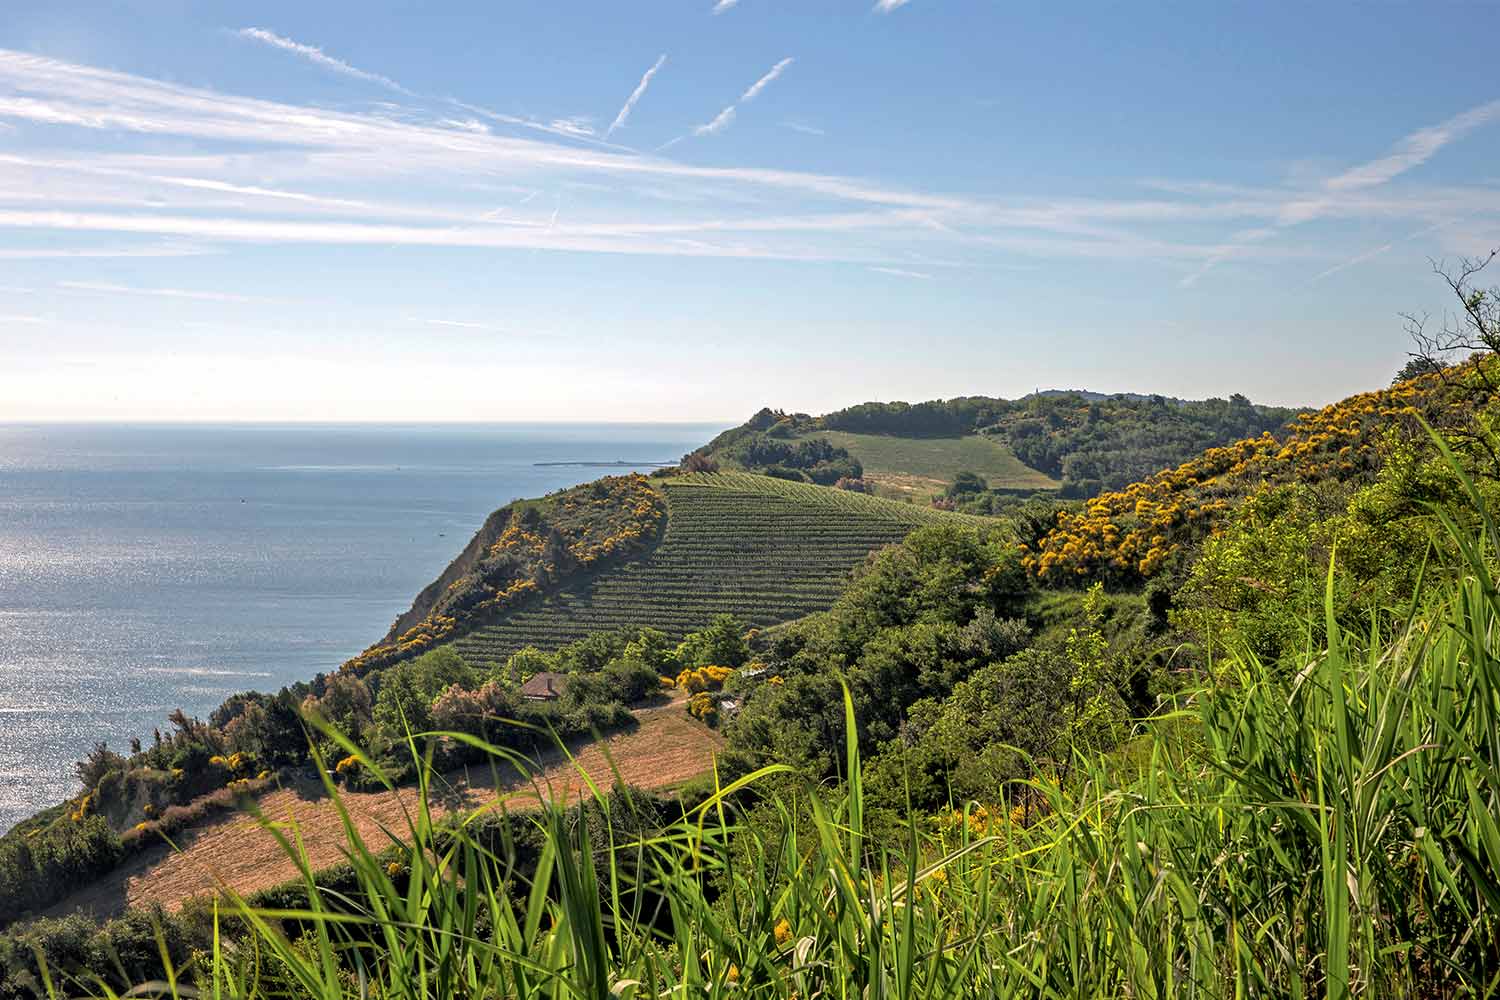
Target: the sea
(150, 567)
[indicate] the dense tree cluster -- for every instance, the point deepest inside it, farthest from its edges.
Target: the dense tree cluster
(766, 444)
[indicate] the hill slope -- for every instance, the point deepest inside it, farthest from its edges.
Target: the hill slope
(1130, 535)
(763, 549)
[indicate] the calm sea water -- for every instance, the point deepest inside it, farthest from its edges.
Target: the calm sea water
(143, 568)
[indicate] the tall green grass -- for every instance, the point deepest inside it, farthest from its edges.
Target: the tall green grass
(1320, 828)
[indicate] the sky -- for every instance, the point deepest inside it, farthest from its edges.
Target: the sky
(665, 210)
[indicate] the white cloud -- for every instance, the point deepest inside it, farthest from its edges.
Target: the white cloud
(721, 121)
(1305, 206)
(805, 129)
(901, 272)
(68, 253)
(636, 95)
(108, 288)
(1377, 251)
(1358, 259)
(317, 56)
(581, 127)
(886, 6)
(725, 118)
(343, 145)
(1414, 150)
(765, 81)
(266, 172)
(456, 323)
(465, 125)
(29, 320)
(724, 5)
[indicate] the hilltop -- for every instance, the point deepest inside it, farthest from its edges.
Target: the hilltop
(1071, 443)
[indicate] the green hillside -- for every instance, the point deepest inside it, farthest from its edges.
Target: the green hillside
(764, 549)
(1077, 443)
(921, 467)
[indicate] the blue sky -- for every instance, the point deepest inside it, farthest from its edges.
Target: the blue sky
(687, 210)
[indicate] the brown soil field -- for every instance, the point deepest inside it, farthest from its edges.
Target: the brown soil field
(234, 851)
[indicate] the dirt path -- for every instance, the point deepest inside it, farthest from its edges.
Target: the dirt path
(665, 749)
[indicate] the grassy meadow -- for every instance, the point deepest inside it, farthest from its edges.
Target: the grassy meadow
(921, 468)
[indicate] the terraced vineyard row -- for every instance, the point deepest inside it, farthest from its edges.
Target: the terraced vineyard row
(763, 549)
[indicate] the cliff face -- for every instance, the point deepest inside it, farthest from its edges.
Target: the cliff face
(466, 562)
(522, 551)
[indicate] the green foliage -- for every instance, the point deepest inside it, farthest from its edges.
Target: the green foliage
(721, 644)
(138, 947)
(524, 550)
(406, 691)
(765, 445)
(966, 484)
(918, 618)
(653, 648)
(526, 661)
(38, 866)
(1258, 584)
(1005, 722)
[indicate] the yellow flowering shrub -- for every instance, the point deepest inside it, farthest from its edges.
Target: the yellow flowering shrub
(703, 707)
(981, 820)
(1130, 534)
(696, 679)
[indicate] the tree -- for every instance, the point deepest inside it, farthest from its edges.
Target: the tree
(408, 690)
(1471, 334)
(526, 661)
(1416, 367)
(655, 649)
(722, 644)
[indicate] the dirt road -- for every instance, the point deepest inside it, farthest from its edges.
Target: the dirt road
(665, 749)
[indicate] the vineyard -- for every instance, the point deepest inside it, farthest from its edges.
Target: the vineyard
(765, 550)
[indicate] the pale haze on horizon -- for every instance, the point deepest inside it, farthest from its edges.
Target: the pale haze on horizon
(688, 210)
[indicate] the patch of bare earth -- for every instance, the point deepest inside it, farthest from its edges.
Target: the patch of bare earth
(235, 851)
(902, 486)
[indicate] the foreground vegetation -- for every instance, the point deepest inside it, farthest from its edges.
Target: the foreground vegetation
(1319, 826)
